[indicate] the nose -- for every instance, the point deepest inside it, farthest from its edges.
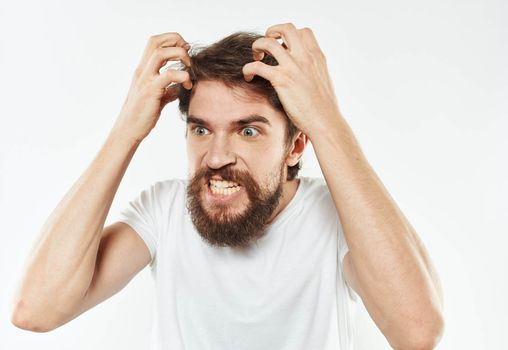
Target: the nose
(219, 153)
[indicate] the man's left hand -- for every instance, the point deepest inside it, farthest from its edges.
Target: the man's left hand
(301, 77)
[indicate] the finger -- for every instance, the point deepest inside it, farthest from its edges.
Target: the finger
(162, 55)
(174, 76)
(161, 40)
(262, 69)
(309, 40)
(170, 95)
(289, 35)
(271, 47)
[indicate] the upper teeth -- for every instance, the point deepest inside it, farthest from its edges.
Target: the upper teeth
(223, 184)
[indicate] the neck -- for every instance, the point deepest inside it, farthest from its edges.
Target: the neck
(288, 192)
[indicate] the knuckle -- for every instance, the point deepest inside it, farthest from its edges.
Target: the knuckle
(159, 52)
(170, 34)
(272, 43)
(151, 86)
(153, 38)
(177, 75)
(256, 42)
(182, 76)
(316, 52)
(256, 65)
(170, 52)
(250, 67)
(180, 51)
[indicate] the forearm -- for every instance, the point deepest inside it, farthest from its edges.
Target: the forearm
(61, 264)
(395, 276)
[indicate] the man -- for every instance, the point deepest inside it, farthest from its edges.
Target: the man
(245, 254)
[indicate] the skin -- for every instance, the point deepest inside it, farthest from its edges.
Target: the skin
(76, 262)
(387, 264)
(216, 147)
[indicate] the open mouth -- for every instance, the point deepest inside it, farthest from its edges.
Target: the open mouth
(221, 187)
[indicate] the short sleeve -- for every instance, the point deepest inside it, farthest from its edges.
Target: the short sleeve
(143, 214)
(343, 249)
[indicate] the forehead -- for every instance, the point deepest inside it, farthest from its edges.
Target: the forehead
(219, 104)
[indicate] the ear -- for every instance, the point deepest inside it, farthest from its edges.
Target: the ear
(297, 147)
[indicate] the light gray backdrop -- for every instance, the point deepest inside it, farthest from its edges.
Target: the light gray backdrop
(423, 85)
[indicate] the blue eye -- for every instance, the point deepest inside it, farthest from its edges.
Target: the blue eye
(250, 134)
(197, 128)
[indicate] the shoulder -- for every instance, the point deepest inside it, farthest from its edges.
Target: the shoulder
(162, 189)
(172, 184)
(314, 183)
(317, 195)
(315, 188)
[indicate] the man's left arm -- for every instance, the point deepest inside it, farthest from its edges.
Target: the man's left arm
(387, 264)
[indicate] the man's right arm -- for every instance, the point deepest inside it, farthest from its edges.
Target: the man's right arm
(62, 262)
(75, 263)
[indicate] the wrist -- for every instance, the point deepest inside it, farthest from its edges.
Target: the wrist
(118, 134)
(328, 123)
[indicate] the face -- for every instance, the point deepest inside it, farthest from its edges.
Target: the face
(237, 169)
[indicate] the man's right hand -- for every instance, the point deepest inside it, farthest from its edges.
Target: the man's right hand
(149, 91)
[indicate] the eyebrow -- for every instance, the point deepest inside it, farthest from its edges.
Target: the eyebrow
(192, 119)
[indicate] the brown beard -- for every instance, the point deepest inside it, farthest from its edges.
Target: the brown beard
(221, 228)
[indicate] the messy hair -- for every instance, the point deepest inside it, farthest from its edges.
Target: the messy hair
(223, 61)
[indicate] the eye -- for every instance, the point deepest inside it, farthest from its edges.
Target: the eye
(251, 131)
(196, 130)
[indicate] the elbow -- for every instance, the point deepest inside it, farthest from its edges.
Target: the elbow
(425, 336)
(22, 319)
(25, 323)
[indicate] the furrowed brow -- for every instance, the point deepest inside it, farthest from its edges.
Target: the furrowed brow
(195, 120)
(253, 118)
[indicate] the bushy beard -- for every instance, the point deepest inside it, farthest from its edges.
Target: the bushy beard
(221, 226)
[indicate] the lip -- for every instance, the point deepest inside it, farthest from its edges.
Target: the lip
(221, 198)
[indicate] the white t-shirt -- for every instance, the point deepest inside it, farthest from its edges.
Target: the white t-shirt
(285, 292)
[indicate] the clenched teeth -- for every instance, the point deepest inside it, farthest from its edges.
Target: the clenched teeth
(224, 187)
(223, 184)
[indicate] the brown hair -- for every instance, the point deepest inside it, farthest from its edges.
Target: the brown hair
(223, 61)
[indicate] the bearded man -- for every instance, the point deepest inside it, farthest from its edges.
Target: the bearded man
(244, 252)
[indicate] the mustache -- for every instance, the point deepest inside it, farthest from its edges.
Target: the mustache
(242, 177)
(227, 174)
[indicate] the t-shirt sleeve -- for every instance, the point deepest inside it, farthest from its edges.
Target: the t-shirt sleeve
(143, 214)
(343, 249)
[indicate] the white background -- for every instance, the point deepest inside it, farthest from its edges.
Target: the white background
(423, 85)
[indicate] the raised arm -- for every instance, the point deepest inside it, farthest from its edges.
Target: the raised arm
(387, 264)
(65, 259)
